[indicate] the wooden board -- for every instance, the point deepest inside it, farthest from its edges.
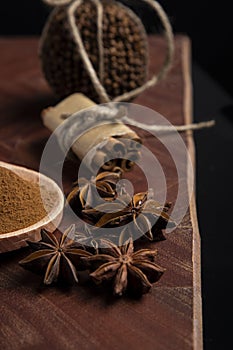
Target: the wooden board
(34, 317)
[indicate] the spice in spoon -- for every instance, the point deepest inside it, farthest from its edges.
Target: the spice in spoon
(20, 202)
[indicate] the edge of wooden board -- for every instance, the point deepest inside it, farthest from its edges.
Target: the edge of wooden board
(188, 115)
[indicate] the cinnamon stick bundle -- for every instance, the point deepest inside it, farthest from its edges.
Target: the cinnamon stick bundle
(110, 146)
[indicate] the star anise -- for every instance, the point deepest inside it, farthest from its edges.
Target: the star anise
(128, 270)
(88, 191)
(57, 259)
(145, 216)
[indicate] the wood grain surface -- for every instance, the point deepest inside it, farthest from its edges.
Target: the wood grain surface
(35, 317)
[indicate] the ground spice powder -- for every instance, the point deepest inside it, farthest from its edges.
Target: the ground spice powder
(20, 202)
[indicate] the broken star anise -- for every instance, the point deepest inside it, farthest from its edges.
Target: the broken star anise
(57, 259)
(87, 192)
(145, 217)
(129, 271)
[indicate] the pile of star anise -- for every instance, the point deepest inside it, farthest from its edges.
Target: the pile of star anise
(106, 250)
(98, 203)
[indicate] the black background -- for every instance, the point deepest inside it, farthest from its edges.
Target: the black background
(210, 27)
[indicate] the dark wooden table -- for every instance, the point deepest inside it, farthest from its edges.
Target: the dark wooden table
(34, 317)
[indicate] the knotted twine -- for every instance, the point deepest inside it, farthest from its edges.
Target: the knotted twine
(72, 6)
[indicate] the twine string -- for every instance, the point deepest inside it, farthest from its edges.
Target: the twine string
(168, 33)
(83, 53)
(99, 8)
(97, 82)
(57, 2)
(170, 128)
(122, 116)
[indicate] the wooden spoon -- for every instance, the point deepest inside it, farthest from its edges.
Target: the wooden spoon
(54, 200)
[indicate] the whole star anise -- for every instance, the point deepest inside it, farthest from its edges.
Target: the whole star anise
(87, 192)
(146, 216)
(57, 259)
(128, 270)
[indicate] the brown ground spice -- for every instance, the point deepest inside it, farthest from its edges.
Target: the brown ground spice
(20, 202)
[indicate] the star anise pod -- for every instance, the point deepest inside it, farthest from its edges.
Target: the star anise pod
(128, 270)
(88, 191)
(145, 216)
(57, 259)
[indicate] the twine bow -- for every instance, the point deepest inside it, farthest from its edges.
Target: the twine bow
(97, 82)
